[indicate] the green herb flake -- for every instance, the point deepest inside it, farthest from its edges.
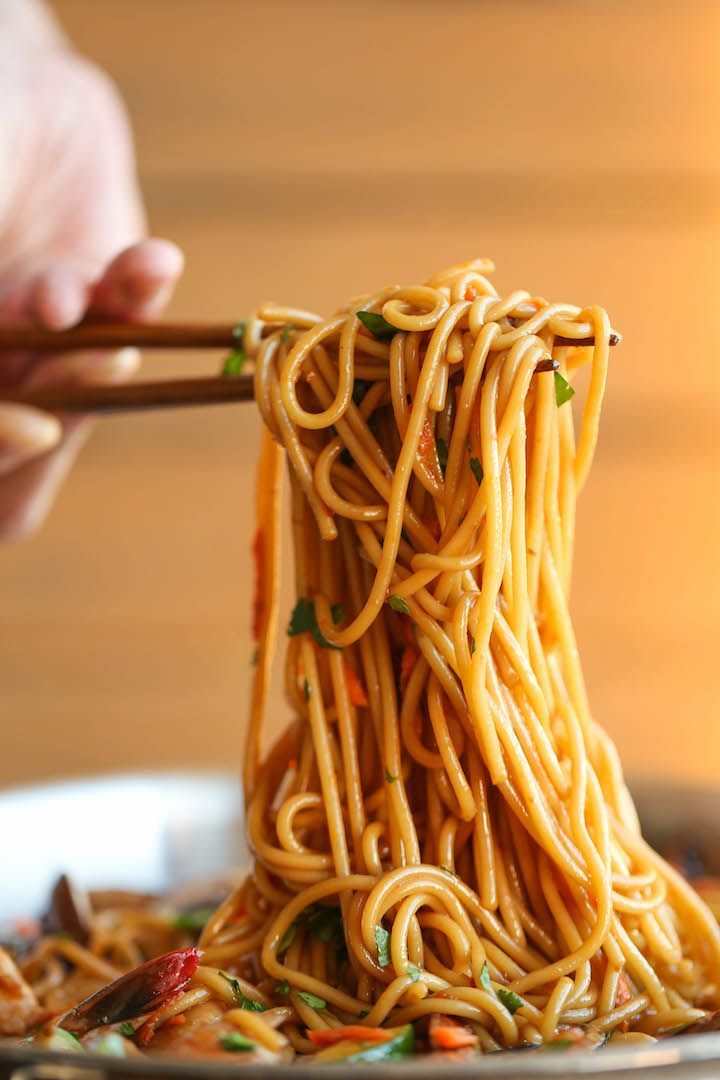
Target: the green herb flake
(558, 1044)
(337, 612)
(389, 777)
(477, 470)
(413, 971)
(236, 1043)
(243, 1000)
(306, 689)
(283, 987)
(382, 940)
(287, 938)
(399, 603)
(233, 363)
(126, 1030)
(312, 1000)
(326, 925)
(563, 390)
(192, 922)
(286, 331)
(378, 326)
(442, 453)
(304, 621)
(363, 1013)
(485, 978)
(510, 1000)
(473, 646)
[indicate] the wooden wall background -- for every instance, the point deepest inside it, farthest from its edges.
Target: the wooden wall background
(306, 152)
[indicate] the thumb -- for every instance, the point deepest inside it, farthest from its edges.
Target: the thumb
(25, 433)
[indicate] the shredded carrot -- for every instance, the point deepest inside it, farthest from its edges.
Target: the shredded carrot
(258, 550)
(353, 1032)
(470, 294)
(445, 1034)
(355, 688)
(407, 664)
(623, 994)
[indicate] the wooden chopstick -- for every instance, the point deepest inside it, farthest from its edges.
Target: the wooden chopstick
(142, 396)
(135, 396)
(151, 336)
(97, 335)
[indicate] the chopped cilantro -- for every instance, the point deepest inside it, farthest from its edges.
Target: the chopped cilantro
(233, 363)
(126, 1029)
(236, 1043)
(382, 940)
(242, 999)
(510, 1000)
(389, 777)
(235, 360)
(399, 603)
(326, 925)
(287, 938)
(192, 922)
(304, 621)
(378, 326)
(413, 971)
(563, 390)
(363, 1013)
(473, 646)
(477, 470)
(312, 1000)
(283, 987)
(485, 978)
(338, 613)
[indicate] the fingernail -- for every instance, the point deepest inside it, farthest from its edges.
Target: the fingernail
(26, 432)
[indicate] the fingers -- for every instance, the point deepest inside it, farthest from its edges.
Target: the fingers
(136, 285)
(28, 490)
(138, 282)
(36, 450)
(59, 296)
(84, 368)
(25, 434)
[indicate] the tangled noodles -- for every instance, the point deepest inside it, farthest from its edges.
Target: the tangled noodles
(445, 852)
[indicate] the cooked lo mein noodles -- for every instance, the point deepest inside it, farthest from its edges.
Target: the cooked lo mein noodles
(443, 843)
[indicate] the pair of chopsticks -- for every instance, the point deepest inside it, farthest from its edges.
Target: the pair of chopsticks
(137, 396)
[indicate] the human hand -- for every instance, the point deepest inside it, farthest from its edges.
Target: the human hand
(70, 228)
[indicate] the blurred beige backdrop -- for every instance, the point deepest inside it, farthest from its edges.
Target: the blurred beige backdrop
(305, 152)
